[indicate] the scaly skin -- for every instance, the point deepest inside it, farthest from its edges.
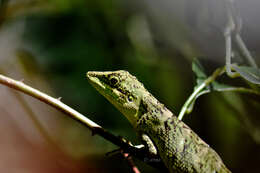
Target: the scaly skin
(178, 146)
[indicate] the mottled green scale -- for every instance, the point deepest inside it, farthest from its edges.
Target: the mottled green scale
(177, 145)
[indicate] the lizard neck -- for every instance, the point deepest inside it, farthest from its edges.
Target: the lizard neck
(155, 107)
(152, 112)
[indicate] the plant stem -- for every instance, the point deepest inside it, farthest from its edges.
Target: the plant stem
(216, 73)
(56, 103)
(140, 153)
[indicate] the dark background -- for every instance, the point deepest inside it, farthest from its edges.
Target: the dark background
(52, 44)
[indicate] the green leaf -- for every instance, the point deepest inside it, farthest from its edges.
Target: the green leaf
(198, 69)
(206, 85)
(201, 76)
(250, 74)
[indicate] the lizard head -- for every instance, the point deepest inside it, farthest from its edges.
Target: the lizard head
(122, 89)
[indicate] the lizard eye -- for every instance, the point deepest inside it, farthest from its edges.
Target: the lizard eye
(130, 98)
(114, 81)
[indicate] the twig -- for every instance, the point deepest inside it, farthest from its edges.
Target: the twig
(140, 153)
(231, 26)
(234, 25)
(245, 51)
(234, 15)
(130, 162)
(56, 103)
(228, 45)
(33, 117)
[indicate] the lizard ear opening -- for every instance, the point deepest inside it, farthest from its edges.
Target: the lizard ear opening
(142, 108)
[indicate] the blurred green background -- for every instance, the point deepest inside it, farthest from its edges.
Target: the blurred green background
(52, 44)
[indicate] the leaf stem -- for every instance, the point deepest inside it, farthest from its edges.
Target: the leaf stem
(216, 73)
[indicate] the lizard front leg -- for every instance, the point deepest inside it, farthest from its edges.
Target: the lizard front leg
(149, 144)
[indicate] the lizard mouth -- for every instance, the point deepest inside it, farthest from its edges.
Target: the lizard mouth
(121, 99)
(93, 77)
(97, 80)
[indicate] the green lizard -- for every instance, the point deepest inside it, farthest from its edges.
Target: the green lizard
(180, 149)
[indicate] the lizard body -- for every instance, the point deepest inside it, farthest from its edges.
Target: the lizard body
(180, 149)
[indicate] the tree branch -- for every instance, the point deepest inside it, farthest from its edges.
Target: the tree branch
(140, 153)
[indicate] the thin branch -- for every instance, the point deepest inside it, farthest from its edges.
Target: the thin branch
(228, 45)
(130, 162)
(231, 26)
(34, 119)
(29, 111)
(140, 153)
(56, 103)
(245, 51)
(234, 25)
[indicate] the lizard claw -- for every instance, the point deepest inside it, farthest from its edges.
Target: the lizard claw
(141, 146)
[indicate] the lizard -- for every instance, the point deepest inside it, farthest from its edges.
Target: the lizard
(162, 133)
